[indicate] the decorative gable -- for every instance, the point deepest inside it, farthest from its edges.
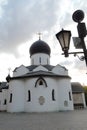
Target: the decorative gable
(21, 70)
(40, 68)
(60, 70)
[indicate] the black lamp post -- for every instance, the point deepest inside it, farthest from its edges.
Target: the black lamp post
(64, 35)
(64, 39)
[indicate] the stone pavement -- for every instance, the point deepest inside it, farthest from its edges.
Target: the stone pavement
(69, 120)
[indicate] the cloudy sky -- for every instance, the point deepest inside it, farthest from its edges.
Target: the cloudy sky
(21, 20)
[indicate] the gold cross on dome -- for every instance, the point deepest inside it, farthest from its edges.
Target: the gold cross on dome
(39, 34)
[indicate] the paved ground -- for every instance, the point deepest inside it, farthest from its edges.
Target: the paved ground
(70, 120)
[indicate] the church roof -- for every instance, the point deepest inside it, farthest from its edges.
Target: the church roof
(77, 87)
(39, 73)
(39, 47)
(3, 85)
(49, 67)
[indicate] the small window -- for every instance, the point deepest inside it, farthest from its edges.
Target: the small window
(40, 82)
(53, 95)
(29, 96)
(47, 61)
(70, 96)
(5, 102)
(40, 60)
(10, 98)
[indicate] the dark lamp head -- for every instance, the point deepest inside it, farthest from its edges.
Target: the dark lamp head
(78, 16)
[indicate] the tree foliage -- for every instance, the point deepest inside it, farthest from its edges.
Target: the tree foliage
(85, 91)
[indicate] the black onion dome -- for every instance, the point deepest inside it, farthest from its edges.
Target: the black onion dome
(39, 47)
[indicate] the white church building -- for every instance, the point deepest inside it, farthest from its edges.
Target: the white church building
(40, 87)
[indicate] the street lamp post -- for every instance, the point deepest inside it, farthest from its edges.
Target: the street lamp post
(64, 39)
(64, 36)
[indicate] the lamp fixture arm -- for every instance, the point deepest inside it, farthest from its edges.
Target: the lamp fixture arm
(80, 58)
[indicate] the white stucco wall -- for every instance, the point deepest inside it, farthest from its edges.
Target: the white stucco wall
(3, 97)
(16, 88)
(37, 92)
(84, 102)
(60, 70)
(20, 71)
(64, 87)
(40, 93)
(4, 92)
(40, 58)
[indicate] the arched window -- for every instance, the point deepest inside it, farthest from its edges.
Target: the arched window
(5, 101)
(47, 61)
(10, 98)
(40, 82)
(40, 60)
(53, 95)
(29, 96)
(70, 96)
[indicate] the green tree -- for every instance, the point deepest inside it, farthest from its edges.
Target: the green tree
(85, 91)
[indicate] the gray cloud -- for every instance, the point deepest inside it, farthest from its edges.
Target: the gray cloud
(66, 18)
(76, 63)
(21, 19)
(66, 63)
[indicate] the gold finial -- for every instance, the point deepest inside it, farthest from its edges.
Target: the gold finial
(39, 34)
